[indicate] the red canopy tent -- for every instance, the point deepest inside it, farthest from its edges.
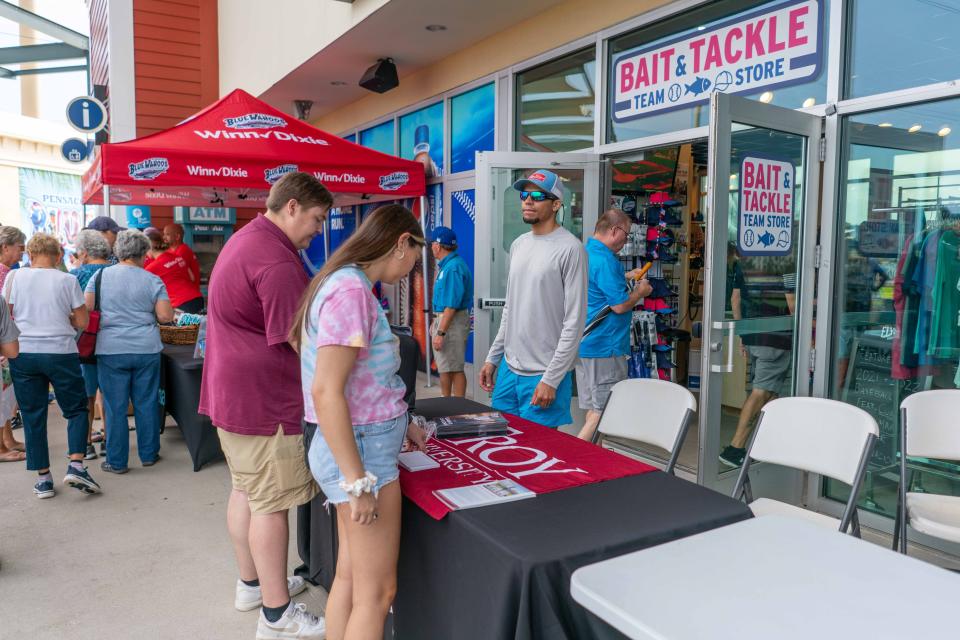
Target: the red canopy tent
(230, 153)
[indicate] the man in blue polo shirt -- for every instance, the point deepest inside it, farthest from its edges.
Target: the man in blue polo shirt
(452, 299)
(604, 351)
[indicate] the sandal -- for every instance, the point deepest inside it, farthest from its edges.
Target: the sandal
(96, 436)
(13, 456)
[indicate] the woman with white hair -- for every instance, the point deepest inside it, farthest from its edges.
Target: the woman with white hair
(132, 301)
(11, 251)
(92, 251)
(47, 306)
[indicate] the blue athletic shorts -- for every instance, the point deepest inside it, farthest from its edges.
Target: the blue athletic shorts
(513, 392)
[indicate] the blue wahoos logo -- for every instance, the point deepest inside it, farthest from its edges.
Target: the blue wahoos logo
(395, 180)
(254, 121)
(274, 174)
(148, 169)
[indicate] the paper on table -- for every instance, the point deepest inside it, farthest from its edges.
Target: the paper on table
(481, 495)
(417, 461)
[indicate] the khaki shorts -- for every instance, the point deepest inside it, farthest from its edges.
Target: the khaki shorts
(271, 470)
(595, 380)
(450, 359)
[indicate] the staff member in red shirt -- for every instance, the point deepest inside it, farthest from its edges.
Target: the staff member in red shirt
(183, 290)
(173, 237)
(251, 391)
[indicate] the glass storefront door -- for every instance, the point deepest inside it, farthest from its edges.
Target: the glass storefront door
(764, 174)
(499, 223)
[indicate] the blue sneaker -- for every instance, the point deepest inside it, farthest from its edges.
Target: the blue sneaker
(44, 489)
(80, 479)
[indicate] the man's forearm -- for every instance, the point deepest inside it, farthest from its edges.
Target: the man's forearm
(446, 318)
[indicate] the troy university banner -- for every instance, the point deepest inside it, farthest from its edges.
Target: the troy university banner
(538, 458)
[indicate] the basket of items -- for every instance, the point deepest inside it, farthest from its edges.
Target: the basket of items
(185, 329)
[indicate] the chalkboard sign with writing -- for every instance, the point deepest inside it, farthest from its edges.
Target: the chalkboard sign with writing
(869, 385)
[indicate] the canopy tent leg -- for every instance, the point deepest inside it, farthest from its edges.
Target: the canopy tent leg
(326, 240)
(106, 202)
(424, 212)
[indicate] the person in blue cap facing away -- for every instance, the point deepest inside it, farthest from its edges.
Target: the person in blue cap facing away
(452, 299)
(529, 365)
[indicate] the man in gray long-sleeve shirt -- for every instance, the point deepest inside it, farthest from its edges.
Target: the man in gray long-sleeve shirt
(534, 352)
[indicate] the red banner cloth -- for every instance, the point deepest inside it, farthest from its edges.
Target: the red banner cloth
(538, 458)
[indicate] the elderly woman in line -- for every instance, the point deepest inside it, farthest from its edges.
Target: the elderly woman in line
(11, 251)
(93, 253)
(132, 302)
(48, 308)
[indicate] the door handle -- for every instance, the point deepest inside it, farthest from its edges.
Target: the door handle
(491, 303)
(726, 367)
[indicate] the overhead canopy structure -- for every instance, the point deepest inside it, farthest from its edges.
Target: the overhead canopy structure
(229, 154)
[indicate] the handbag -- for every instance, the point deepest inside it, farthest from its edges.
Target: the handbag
(87, 340)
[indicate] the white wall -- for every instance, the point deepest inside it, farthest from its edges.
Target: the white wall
(262, 41)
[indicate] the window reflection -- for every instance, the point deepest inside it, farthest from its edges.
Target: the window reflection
(555, 104)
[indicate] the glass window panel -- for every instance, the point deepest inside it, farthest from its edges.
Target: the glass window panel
(471, 126)
(379, 138)
(555, 104)
(421, 138)
(898, 271)
(711, 19)
(351, 137)
(896, 44)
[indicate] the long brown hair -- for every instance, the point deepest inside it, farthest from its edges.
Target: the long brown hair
(376, 237)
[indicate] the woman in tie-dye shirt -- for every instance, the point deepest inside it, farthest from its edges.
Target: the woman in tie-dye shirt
(348, 368)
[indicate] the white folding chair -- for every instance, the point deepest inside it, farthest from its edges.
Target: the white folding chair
(928, 429)
(821, 436)
(655, 412)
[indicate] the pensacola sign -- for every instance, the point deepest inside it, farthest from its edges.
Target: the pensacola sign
(776, 46)
(765, 226)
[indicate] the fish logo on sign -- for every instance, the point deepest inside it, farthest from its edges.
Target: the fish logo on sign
(698, 86)
(395, 180)
(148, 169)
(254, 121)
(274, 174)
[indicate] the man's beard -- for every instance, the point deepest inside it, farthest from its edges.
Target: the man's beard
(534, 220)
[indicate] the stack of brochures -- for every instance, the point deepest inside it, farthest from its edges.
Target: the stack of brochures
(481, 495)
(488, 423)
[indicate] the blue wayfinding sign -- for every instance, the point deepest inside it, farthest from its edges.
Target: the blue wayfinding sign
(86, 114)
(75, 150)
(138, 217)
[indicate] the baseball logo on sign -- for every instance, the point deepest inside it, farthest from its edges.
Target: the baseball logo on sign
(765, 220)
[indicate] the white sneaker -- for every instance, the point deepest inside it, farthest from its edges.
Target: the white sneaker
(249, 598)
(296, 623)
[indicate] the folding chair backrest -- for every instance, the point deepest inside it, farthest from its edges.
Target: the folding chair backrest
(648, 410)
(932, 419)
(814, 434)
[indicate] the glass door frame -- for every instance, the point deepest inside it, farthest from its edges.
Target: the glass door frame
(487, 161)
(725, 110)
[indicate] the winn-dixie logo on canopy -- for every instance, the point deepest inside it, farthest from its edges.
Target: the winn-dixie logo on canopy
(773, 47)
(274, 174)
(395, 180)
(148, 169)
(254, 121)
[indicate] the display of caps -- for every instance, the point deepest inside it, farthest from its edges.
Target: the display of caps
(666, 257)
(658, 305)
(660, 235)
(676, 335)
(658, 214)
(661, 288)
(664, 361)
(628, 205)
(663, 348)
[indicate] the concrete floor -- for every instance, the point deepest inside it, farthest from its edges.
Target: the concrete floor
(148, 558)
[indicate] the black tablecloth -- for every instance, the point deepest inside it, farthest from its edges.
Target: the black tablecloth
(504, 571)
(180, 381)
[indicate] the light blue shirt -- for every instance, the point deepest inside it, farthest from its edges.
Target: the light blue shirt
(454, 285)
(607, 285)
(128, 321)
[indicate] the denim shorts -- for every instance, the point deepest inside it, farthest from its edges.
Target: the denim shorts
(90, 382)
(378, 444)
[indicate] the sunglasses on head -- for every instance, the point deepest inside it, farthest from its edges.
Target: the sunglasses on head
(538, 196)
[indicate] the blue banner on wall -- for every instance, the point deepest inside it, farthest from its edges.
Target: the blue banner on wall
(471, 126)
(421, 138)
(463, 219)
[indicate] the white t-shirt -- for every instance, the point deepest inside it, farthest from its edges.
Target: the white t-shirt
(43, 300)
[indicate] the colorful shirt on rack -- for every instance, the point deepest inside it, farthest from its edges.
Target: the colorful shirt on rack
(945, 299)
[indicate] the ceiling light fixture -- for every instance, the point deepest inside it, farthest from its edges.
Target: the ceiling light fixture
(944, 132)
(885, 124)
(809, 102)
(915, 128)
(766, 97)
(436, 27)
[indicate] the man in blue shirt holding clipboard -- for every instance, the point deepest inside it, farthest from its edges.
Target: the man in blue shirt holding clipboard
(452, 299)
(604, 351)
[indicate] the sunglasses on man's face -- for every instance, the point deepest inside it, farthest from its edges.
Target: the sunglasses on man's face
(538, 196)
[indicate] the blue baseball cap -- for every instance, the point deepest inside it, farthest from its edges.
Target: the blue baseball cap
(544, 180)
(444, 235)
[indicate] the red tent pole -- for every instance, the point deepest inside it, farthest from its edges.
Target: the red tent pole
(427, 300)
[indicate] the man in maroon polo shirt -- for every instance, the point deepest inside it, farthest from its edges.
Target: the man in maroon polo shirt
(251, 391)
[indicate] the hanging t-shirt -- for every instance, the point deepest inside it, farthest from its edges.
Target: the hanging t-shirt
(344, 312)
(945, 299)
(43, 300)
